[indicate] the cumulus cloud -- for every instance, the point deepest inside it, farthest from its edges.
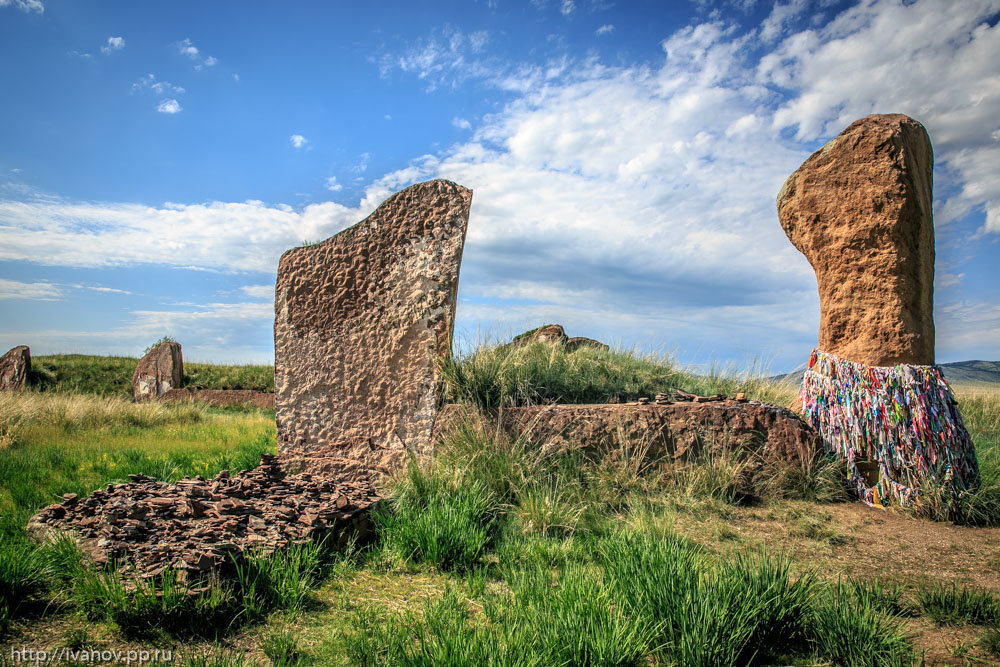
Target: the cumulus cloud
(461, 123)
(259, 291)
(41, 291)
(332, 185)
(629, 199)
(298, 141)
(246, 236)
(113, 44)
(149, 82)
(24, 5)
(605, 29)
(186, 48)
(169, 105)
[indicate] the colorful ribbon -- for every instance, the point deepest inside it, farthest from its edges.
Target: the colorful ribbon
(904, 418)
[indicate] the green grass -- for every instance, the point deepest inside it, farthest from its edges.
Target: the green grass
(112, 376)
(952, 605)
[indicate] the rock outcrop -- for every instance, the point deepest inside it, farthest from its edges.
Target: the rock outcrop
(675, 431)
(200, 525)
(14, 368)
(859, 209)
(360, 319)
(554, 333)
(160, 370)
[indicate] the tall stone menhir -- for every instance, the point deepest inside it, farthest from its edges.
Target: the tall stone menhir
(359, 320)
(859, 209)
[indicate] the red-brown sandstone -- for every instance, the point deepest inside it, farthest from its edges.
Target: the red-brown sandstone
(859, 209)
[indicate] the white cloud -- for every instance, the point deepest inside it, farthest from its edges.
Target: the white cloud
(149, 82)
(186, 48)
(461, 123)
(13, 289)
(362, 165)
(259, 291)
(932, 60)
(113, 44)
(82, 56)
(24, 5)
(236, 78)
(298, 141)
(169, 105)
(567, 7)
(217, 236)
(605, 29)
(15, 170)
(332, 185)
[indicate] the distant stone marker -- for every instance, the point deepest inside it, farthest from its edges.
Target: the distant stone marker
(359, 321)
(859, 209)
(14, 368)
(159, 371)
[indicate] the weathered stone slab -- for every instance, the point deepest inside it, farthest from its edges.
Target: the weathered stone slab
(159, 371)
(859, 209)
(14, 368)
(359, 321)
(675, 430)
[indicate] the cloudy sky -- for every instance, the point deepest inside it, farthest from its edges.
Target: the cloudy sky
(157, 157)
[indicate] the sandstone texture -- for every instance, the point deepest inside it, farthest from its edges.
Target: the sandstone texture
(14, 368)
(222, 397)
(359, 322)
(159, 371)
(859, 209)
(200, 525)
(677, 430)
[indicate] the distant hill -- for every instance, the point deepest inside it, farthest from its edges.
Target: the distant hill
(957, 372)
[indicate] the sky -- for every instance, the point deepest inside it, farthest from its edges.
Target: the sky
(156, 159)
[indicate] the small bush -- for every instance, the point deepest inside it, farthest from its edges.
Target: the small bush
(24, 574)
(951, 605)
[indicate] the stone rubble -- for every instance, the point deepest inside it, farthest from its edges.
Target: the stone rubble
(198, 525)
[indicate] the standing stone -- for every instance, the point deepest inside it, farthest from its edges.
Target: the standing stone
(359, 322)
(161, 370)
(14, 368)
(859, 209)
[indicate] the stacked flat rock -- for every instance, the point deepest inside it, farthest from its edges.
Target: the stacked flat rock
(662, 399)
(198, 525)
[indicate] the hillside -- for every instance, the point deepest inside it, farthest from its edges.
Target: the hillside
(957, 372)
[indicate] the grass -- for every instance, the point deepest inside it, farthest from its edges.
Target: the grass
(495, 550)
(112, 376)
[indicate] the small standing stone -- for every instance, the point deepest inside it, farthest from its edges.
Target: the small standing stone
(161, 370)
(14, 368)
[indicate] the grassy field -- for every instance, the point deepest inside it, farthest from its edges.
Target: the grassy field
(497, 551)
(112, 376)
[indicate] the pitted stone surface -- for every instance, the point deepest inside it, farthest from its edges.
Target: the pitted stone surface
(359, 321)
(859, 209)
(14, 368)
(159, 371)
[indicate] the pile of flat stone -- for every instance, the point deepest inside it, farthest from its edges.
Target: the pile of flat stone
(198, 525)
(684, 397)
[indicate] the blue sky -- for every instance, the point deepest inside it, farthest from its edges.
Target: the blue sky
(156, 158)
